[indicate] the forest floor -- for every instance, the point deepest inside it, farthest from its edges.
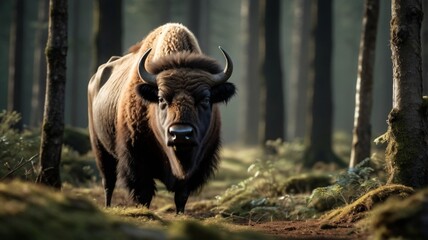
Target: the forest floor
(233, 169)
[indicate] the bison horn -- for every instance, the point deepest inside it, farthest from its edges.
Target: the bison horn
(146, 76)
(228, 69)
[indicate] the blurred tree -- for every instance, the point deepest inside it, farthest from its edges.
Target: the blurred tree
(53, 118)
(318, 138)
(5, 23)
(107, 31)
(74, 53)
(298, 81)
(382, 73)
(406, 153)
(39, 65)
(199, 22)
(361, 141)
(165, 15)
(424, 44)
(15, 78)
(250, 85)
(272, 90)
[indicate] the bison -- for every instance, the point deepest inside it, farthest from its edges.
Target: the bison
(154, 114)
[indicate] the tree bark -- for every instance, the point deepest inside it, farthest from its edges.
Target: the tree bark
(274, 115)
(361, 141)
(53, 119)
(318, 139)
(424, 39)
(406, 153)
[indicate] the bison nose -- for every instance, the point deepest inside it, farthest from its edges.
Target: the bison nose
(180, 134)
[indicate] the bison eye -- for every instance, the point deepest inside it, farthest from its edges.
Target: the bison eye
(205, 102)
(162, 103)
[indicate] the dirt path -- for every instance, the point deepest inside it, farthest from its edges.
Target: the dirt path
(308, 229)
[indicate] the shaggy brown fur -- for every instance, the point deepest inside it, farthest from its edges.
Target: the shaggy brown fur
(131, 130)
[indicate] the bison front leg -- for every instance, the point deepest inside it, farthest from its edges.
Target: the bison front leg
(143, 191)
(180, 199)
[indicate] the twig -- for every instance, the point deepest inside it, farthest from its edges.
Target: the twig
(19, 167)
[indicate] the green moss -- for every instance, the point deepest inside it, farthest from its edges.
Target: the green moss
(140, 213)
(305, 183)
(358, 209)
(191, 230)
(401, 219)
(29, 211)
(405, 154)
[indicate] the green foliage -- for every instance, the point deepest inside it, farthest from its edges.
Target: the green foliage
(77, 169)
(17, 149)
(348, 187)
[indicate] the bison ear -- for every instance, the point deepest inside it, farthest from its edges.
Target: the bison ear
(148, 92)
(222, 92)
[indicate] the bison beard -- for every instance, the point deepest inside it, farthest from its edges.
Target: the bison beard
(153, 114)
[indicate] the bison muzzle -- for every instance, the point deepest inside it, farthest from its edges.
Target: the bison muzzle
(153, 114)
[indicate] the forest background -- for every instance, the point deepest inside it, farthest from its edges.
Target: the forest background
(222, 23)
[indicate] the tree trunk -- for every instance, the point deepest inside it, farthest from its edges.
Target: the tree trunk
(107, 30)
(250, 87)
(273, 127)
(361, 141)
(424, 38)
(406, 153)
(39, 67)
(299, 70)
(15, 78)
(74, 52)
(199, 22)
(318, 139)
(53, 119)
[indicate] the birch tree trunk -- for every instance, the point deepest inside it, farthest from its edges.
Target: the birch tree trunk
(361, 141)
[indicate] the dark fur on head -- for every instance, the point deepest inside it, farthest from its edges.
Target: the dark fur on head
(185, 59)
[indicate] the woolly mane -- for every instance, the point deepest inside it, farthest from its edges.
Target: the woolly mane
(184, 59)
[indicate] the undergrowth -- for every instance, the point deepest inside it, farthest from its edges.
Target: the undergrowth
(19, 153)
(348, 187)
(18, 150)
(277, 188)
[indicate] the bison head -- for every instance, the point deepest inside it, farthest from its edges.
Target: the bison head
(184, 89)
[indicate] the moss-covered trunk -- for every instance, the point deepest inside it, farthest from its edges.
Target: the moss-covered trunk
(406, 152)
(53, 119)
